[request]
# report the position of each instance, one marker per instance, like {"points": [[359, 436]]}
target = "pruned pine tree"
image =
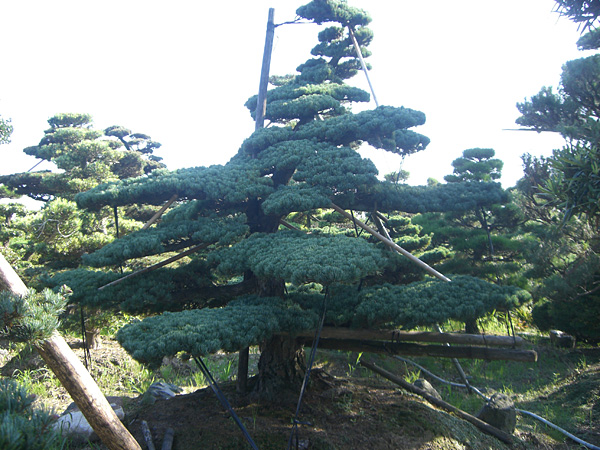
{"points": [[59, 233], [252, 282]]}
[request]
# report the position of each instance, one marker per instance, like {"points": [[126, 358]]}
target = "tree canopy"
{"points": [[248, 278]]}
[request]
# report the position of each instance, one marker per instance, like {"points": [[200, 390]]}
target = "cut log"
{"points": [[438, 351], [416, 336], [504, 437], [75, 378]]}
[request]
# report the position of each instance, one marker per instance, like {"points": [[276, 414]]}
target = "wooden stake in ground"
{"points": [[75, 378], [261, 109]]}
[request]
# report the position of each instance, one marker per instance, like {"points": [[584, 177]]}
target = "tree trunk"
{"points": [[281, 367], [471, 326]]}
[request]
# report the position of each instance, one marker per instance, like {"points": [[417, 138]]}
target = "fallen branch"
{"points": [[504, 437]]}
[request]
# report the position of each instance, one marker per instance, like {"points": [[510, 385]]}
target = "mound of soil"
{"points": [[336, 414]]}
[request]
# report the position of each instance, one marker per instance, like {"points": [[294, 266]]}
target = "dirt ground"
{"points": [[337, 413]]}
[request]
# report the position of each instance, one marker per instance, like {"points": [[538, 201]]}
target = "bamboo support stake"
{"points": [[160, 212], [189, 251], [392, 244], [414, 336], [362, 63], [435, 351], [75, 378], [504, 437]]}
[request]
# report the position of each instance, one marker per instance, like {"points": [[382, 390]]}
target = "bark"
{"points": [[281, 367]]}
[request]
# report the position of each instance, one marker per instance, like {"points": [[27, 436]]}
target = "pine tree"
{"points": [[250, 281]]}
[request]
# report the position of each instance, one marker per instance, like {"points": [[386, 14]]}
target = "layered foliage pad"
{"points": [[304, 160], [251, 320]]}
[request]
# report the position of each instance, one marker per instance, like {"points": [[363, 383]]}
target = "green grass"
{"points": [[562, 386]]}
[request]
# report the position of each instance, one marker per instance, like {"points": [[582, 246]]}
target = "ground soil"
{"points": [[338, 412]]}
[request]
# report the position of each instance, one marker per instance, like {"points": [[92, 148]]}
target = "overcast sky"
{"points": [[181, 72]]}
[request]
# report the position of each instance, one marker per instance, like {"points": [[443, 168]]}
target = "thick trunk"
{"points": [[281, 367]]}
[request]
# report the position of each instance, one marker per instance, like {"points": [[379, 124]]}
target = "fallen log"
{"points": [[438, 351], [504, 437], [415, 336]]}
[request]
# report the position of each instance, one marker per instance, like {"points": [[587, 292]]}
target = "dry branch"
{"points": [[391, 244], [158, 265], [160, 212]]}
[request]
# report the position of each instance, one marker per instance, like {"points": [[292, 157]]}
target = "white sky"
{"points": [[181, 72]]}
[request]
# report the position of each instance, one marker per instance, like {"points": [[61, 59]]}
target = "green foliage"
{"points": [[301, 258], [476, 164], [321, 11], [167, 236], [244, 322], [422, 303], [573, 184], [6, 130], [32, 318], [21, 426]]}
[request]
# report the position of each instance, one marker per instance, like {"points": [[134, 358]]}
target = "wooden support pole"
{"points": [[261, 104], [160, 212], [486, 427], [75, 378], [391, 244], [362, 63], [415, 336], [259, 117], [437, 351], [189, 251]]}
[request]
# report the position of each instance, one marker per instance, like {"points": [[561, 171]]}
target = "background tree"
{"points": [[6, 130], [246, 280], [563, 191], [483, 240]]}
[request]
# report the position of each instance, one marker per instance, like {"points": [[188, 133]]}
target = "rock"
{"points": [[73, 424], [499, 412], [427, 387], [561, 339], [160, 390]]}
